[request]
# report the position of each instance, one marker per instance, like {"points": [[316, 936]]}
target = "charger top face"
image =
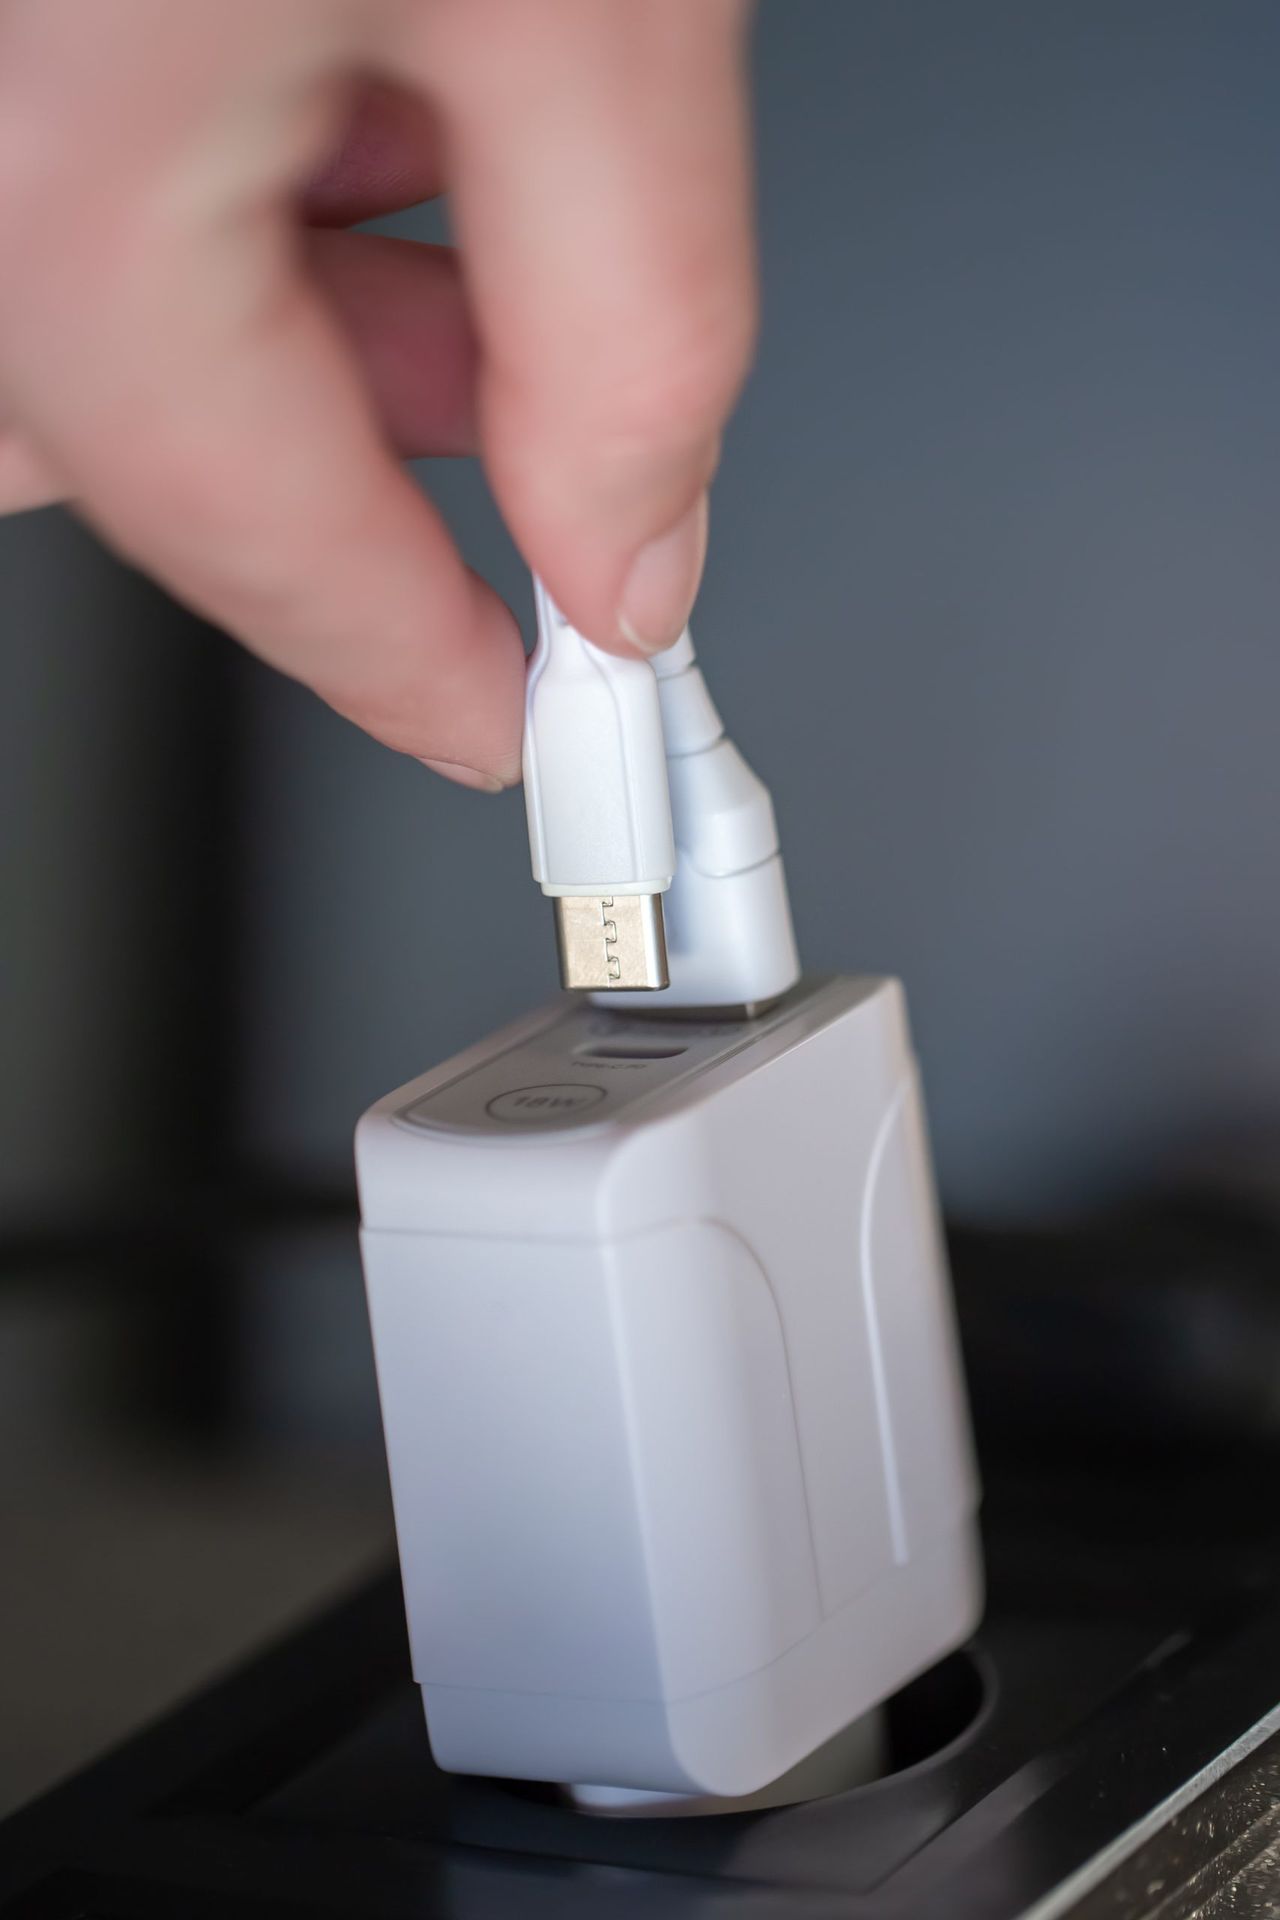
{"points": [[481, 1138], [674, 1413], [587, 1067]]}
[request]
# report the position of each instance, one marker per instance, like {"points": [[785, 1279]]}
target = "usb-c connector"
{"points": [[615, 941], [595, 778]]}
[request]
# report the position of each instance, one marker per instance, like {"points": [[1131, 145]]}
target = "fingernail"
{"points": [[466, 776], [660, 588]]}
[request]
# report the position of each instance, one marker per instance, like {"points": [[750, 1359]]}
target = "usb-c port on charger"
{"points": [[629, 1050]]}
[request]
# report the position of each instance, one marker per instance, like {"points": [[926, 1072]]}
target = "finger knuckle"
{"points": [[35, 166], [685, 377]]}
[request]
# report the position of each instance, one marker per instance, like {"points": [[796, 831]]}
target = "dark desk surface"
{"points": [[1108, 1748], [1133, 1641]]}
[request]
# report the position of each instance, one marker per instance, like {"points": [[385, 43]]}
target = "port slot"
{"points": [[628, 1050]]}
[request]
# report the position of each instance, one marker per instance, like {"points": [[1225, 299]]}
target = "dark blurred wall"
{"points": [[118, 868], [991, 600]]}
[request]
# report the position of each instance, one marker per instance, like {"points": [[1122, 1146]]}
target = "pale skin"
{"points": [[224, 382]]}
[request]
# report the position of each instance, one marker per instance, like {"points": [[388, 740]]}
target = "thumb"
{"points": [[600, 185]]}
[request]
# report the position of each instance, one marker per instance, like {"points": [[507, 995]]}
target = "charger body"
{"points": [[672, 1395]]}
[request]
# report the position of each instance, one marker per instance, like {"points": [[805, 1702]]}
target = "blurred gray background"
{"points": [[991, 602]]}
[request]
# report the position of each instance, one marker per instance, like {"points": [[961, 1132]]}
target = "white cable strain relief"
{"points": [[595, 768], [730, 940]]}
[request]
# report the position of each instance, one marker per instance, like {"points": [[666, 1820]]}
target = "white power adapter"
{"points": [[672, 1395], [673, 1399]]}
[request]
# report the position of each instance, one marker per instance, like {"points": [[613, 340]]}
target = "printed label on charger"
{"points": [[543, 1106]]}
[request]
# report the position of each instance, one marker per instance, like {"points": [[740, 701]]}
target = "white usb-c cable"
{"points": [[637, 800], [595, 783]]}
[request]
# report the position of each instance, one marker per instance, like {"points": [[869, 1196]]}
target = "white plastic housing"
{"points": [[730, 941], [672, 1394], [595, 774]]}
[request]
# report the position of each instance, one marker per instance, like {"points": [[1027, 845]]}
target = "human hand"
{"points": [[220, 379]]}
